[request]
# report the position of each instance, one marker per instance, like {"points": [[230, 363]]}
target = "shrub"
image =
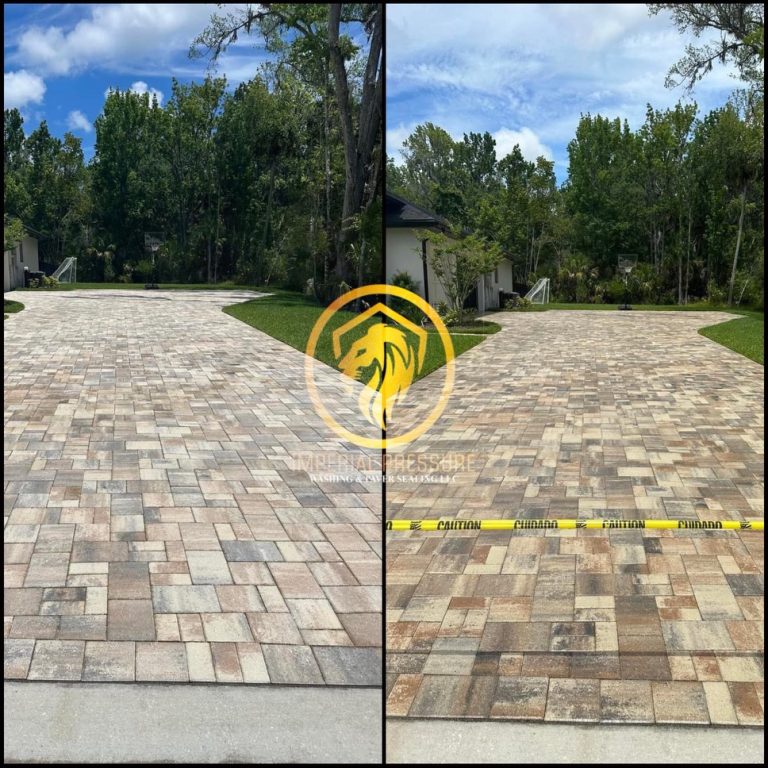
{"points": [[44, 282], [109, 270], [614, 291], [583, 292], [144, 270], [127, 276], [599, 293], [715, 296], [329, 291], [520, 304], [402, 306], [456, 317], [246, 273]]}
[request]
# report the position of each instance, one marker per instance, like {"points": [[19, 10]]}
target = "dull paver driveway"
{"points": [[161, 518], [589, 414]]}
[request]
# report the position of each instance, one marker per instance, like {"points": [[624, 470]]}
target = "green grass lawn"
{"points": [[9, 307], [475, 327], [290, 317], [745, 335]]}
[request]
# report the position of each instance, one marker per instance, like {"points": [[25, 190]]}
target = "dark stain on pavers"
{"points": [[585, 625]]}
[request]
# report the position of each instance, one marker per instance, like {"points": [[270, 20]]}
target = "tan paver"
{"points": [[163, 520], [582, 414]]}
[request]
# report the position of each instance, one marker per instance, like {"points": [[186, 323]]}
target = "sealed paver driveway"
{"points": [[589, 414], [161, 518]]}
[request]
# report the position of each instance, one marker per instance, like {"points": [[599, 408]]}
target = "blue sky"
{"points": [[59, 60], [525, 73]]}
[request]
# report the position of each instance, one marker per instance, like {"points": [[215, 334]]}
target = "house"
{"points": [[406, 252], [25, 254]]}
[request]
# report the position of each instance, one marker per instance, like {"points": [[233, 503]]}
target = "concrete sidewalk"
{"points": [[454, 741], [110, 723]]}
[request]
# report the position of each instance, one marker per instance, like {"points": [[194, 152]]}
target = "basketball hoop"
{"points": [[152, 242], [627, 262]]}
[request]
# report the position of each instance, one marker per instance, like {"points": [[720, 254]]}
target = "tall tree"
{"points": [[357, 99], [130, 172], [740, 28]]}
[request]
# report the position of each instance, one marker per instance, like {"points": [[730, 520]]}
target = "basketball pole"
{"points": [[626, 305]]}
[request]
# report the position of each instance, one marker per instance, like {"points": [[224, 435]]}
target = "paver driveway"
{"points": [[590, 414], [159, 521]]}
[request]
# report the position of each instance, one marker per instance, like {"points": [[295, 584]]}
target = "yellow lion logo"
{"points": [[394, 366], [388, 352]]}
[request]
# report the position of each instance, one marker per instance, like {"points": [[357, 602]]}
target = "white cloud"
{"points": [[21, 88], [395, 138], [116, 35], [531, 146], [141, 87], [77, 121], [526, 72]]}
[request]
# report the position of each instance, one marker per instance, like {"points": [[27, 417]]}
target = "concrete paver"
{"points": [[161, 519], [591, 415]]}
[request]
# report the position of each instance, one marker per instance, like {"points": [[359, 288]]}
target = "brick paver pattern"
{"points": [[159, 523], [601, 414]]}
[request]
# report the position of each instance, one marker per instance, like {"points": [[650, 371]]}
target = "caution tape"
{"points": [[527, 525]]}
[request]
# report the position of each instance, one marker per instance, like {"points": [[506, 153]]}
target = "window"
{"points": [[496, 275], [21, 251]]}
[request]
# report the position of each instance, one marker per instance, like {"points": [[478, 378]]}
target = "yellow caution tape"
{"points": [[443, 524]]}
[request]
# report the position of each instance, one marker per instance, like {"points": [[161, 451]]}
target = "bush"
{"points": [[329, 291], [456, 317], [144, 271], [583, 292], [402, 306], [599, 293], [109, 271], [127, 276], [246, 273], [715, 296], [45, 282], [614, 291], [520, 304]]}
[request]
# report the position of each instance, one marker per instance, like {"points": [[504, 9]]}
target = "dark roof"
{"points": [[401, 213], [30, 230], [36, 233]]}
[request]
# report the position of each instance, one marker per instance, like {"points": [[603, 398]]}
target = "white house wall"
{"points": [[403, 254], [7, 256], [14, 262]]}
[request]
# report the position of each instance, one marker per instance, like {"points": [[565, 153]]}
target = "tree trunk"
{"points": [[362, 262], [358, 147], [688, 256], [679, 258], [738, 244], [327, 151], [268, 215]]}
